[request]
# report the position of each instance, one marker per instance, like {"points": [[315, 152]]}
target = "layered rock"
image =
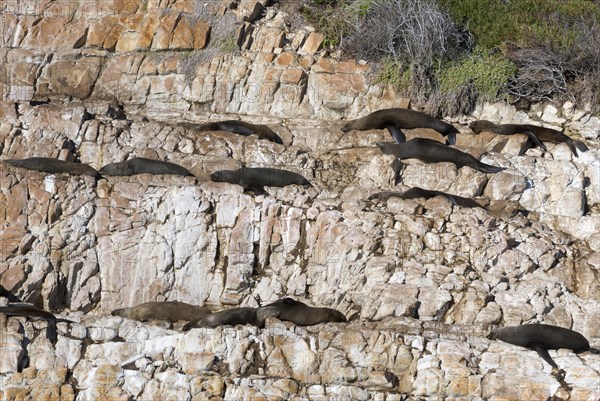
{"points": [[421, 281]]}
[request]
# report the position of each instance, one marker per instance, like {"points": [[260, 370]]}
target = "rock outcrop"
{"points": [[420, 281]]}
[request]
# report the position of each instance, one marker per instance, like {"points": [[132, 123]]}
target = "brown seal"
{"points": [[417, 192], [54, 166], [255, 179], [541, 338], [536, 134], [396, 119], [171, 311], [32, 311], [141, 165], [303, 315], [242, 128], [430, 151], [233, 317]]}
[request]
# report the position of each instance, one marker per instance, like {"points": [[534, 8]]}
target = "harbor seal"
{"points": [[171, 311], [255, 179], [430, 151], [242, 128], [28, 310], [234, 316], [141, 165], [303, 315], [417, 192], [541, 338], [396, 119], [54, 166], [536, 134]]}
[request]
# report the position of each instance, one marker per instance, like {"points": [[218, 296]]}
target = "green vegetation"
{"points": [[489, 71], [228, 45], [519, 49], [331, 19], [392, 72], [526, 23]]}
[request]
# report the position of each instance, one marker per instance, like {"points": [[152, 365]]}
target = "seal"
{"points": [[28, 310], [303, 315], [541, 338], [396, 119], [54, 166], [171, 311], [242, 128], [430, 151], [255, 179], [141, 165], [536, 134], [417, 192], [234, 316]]}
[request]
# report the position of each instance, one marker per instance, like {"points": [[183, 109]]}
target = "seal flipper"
{"points": [[451, 138], [534, 139], [581, 146], [258, 190], [51, 331], [595, 351], [572, 147], [543, 352], [451, 199], [487, 168], [396, 133]]}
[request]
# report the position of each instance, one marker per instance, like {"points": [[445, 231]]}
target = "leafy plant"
{"points": [[489, 72]]}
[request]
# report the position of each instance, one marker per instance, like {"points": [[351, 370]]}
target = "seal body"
{"points": [[417, 192], [171, 311], [233, 317], [304, 315], [32, 311], [430, 151], [54, 166], [541, 338], [256, 179], [243, 128], [396, 119], [536, 134], [140, 165]]}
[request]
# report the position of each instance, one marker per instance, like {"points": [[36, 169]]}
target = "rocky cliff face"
{"points": [[420, 280]]}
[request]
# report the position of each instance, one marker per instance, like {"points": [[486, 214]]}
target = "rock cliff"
{"points": [[421, 281]]}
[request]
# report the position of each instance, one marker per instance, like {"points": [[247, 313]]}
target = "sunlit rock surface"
{"points": [[420, 280]]}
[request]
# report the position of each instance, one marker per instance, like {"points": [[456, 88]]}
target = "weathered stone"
{"points": [[312, 44]]}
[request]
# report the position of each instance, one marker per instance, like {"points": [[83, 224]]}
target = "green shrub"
{"points": [[523, 22], [395, 73], [489, 71], [330, 18]]}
